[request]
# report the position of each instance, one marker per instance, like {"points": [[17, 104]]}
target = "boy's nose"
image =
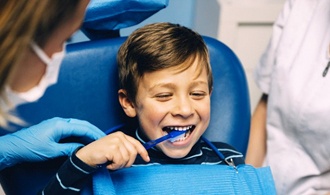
{"points": [[183, 108]]}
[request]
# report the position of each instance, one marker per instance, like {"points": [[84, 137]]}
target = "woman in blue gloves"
{"points": [[32, 38]]}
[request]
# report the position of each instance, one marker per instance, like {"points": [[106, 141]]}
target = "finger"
{"points": [[139, 148], [117, 152], [96, 131], [131, 150], [77, 128], [118, 161], [129, 143]]}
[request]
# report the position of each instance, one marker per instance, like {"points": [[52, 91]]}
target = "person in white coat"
{"points": [[290, 128]]}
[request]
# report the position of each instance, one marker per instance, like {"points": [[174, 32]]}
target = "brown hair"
{"points": [[158, 46]]}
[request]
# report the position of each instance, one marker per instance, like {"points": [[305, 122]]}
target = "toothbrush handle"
{"points": [[152, 143]]}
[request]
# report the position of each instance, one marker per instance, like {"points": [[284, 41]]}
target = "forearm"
{"points": [[71, 177], [257, 142]]}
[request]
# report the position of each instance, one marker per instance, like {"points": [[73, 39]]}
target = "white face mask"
{"points": [[49, 78]]}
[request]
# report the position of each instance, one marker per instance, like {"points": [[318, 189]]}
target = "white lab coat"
{"points": [[298, 113]]}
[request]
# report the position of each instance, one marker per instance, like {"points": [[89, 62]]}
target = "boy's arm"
{"points": [[70, 178], [257, 142], [115, 151]]}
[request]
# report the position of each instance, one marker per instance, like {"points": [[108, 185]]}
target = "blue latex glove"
{"points": [[41, 142]]}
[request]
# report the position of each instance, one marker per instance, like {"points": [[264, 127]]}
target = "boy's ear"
{"points": [[126, 103]]}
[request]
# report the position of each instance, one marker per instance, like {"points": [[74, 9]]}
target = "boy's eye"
{"points": [[198, 95], [163, 96]]}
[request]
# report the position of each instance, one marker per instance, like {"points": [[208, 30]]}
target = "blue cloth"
{"points": [[185, 179], [103, 16]]}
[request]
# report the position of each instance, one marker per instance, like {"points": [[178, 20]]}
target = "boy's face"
{"points": [[171, 98]]}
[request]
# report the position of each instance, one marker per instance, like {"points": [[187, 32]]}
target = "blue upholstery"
{"points": [[105, 18], [87, 89]]}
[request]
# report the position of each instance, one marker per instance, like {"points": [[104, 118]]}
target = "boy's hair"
{"points": [[158, 46]]}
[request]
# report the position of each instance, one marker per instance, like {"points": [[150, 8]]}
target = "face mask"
{"points": [[49, 78]]}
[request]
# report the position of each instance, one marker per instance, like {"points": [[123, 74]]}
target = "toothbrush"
{"points": [[153, 143]]}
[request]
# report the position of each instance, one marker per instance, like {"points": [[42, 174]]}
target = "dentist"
{"points": [[32, 38]]}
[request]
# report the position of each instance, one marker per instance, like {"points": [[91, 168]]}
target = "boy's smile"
{"points": [[182, 137], [174, 99]]}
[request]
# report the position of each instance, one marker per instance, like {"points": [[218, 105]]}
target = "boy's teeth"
{"points": [[180, 128]]}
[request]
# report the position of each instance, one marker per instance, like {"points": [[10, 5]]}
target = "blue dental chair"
{"points": [[87, 90]]}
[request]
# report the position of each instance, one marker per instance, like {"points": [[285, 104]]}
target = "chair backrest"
{"points": [[87, 90]]}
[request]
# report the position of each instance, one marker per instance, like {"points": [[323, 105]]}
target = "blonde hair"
{"points": [[18, 23], [22, 21]]}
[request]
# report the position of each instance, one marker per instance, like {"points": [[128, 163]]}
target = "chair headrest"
{"points": [[105, 16]]}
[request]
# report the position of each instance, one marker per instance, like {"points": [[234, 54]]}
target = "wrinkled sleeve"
{"points": [[70, 179]]}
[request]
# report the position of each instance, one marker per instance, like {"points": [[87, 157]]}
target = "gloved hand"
{"points": [[41, 142]]}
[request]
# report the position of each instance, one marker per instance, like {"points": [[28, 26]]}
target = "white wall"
{"points": [[244, 25]]}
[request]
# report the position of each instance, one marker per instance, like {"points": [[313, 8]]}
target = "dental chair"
{"points": [[87, 90]]}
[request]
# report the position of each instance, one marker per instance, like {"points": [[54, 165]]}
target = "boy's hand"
{"points": [[117, 148]]}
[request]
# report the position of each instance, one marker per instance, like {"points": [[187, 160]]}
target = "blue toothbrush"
{"points": [[172, 134]]}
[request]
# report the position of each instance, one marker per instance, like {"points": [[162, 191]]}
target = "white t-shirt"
{"points": [[298, 113]]}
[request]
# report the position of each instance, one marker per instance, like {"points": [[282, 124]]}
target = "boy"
{"points": [[165, 82]]}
